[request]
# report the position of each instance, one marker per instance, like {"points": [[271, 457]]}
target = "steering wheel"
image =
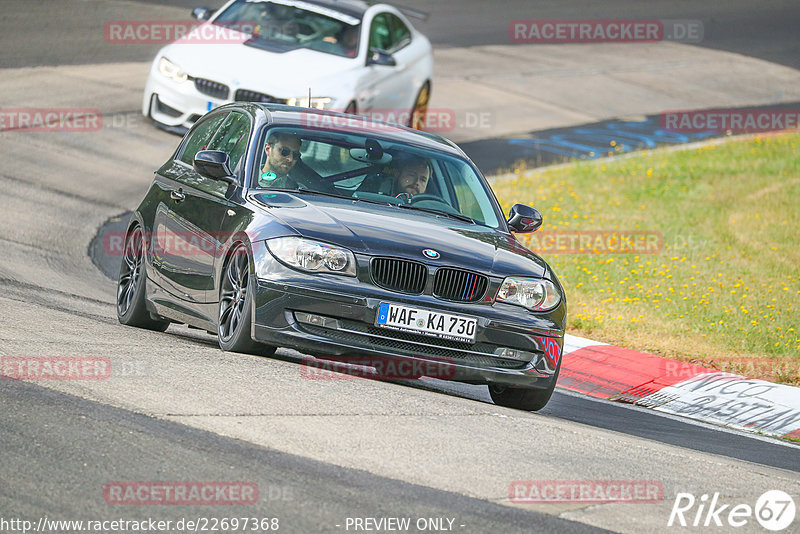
{"points": [[440, 204], [290, 28], [426, 196], [307, 32]]}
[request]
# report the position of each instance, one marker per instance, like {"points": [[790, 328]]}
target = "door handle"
{"points": [[177, 195]]}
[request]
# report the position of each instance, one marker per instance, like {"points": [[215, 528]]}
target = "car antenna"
{"points": [[309, 96]]}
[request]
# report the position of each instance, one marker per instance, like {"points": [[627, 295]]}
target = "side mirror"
{"points": [[214, 164], [202, 13], [524, 219], [376, 57]]}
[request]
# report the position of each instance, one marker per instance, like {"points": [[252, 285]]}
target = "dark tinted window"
{"points": [[388, 33], [200, 136], [401, 35], [338, 162], [282, 27], [380, 33], [232, 137]]}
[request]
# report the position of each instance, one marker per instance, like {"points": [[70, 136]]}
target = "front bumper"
{"points": [[344, 311], [175, 104]]}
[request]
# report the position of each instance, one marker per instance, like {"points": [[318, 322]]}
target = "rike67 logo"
{"points": [[774, 510]]}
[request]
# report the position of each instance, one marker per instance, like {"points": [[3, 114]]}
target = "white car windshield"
{"points": [[372, 169], [284, 25]]}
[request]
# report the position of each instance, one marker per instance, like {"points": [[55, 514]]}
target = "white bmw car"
{"points": [[348, 55]]}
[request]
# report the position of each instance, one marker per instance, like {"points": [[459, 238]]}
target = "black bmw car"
{"points": [[275, 226]]}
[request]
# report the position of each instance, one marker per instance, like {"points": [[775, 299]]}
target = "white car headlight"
{"points": [[318, 102], [171, 70], [313, 256], [536, 294]]}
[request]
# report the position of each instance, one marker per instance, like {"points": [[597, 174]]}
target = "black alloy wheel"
{"points": [[131, 287], [235, 306]]}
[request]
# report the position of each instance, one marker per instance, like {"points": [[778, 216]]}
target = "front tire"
{"points": [[527, 399], [419, 112], [236, 306], [131, 285]]}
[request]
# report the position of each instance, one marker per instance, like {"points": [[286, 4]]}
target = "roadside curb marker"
{"points": [[623, 375]]}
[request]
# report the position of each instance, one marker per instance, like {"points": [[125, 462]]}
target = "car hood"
{"points": [[379, 230], [279, 74]]}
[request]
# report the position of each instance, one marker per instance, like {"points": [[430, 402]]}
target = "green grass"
{"points": [[724, 289]]}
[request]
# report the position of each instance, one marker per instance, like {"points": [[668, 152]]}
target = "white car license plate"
{"points": [[427, 322]]}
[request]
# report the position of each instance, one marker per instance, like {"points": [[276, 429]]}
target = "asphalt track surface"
{"points": [[61, 474], [766, 30], [61, 443]]}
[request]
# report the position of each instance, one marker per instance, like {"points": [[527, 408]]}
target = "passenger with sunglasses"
{"points": [[283, 153], [283, 169]]}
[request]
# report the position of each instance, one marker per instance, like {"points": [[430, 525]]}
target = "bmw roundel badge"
{"points": [[430, 253]]}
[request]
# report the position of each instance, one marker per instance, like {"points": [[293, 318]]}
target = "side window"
{"points": [[232, 137], [401, 35], [380, 35], [465, 185], [199, 138]]}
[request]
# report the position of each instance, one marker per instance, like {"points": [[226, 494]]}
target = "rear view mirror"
{"points": [[214, 164], [524, 219]]}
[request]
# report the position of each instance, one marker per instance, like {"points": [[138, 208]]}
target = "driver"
{"points": [[349, 40], [345, 41], [411, 174]]}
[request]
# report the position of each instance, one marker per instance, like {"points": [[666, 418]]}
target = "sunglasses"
{"points": [[285, 151]]}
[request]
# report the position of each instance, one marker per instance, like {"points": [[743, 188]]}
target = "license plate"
{"points": [[427, 322]]}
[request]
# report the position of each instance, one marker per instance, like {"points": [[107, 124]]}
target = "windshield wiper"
{"points": [[458, 216], [306, 190]]}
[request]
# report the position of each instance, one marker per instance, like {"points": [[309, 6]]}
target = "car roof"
{"points": [[354, 8], [292, 116]]}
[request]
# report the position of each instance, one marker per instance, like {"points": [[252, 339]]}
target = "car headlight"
{"points": [[171, 70], [312, 256], [318, 102], [536, 294]]}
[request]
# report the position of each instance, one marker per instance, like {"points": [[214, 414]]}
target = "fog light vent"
{"points": [[514, 354], [317, 320]]}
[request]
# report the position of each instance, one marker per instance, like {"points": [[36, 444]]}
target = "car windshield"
{"points": [[283, 25], [363, 166]]}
